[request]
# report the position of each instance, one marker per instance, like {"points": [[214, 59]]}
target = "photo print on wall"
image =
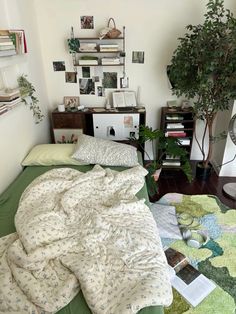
{"points": [[110, 79], [59, 66], [87, 86], [87, 22], [100, 91], [86, 72], [71, 77], [138, 57]]}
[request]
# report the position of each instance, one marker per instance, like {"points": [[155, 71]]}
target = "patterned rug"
{"points": [[216, 259]]}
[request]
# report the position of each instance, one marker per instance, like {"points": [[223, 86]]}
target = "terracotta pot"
{"points": [[203, 173]]}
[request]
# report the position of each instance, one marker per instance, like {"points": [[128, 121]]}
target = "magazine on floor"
{"points": [[186, 279]]}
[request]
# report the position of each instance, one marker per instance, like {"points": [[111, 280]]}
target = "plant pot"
{"points": [[202, 172]]}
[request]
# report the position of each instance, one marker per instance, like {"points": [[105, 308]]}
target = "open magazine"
{"points": [[186, 279]]}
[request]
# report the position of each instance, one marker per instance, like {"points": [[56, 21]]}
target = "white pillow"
{"points": [[95, 150]]}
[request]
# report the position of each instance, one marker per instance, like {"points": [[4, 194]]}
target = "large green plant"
{"points": [[203, 67], [166, 146]]}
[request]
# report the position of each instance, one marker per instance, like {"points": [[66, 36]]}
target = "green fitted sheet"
{"points": [[8, 206]]}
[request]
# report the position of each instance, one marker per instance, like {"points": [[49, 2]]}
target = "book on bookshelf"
{"points": [[184, 141], [19, 40], [171, 163], [174, 117], [6, 53], [9, 95], [88, 62], [174, 126], [186, 279], [175, 134]]}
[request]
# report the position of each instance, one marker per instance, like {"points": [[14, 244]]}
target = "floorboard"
{"points": [[175, 182]]}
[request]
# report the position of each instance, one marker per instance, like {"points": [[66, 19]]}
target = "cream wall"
{"points": [[151, 26], [18, 132]]}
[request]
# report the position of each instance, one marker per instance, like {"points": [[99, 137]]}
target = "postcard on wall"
{"points": [[87, 22], [59, 66]]}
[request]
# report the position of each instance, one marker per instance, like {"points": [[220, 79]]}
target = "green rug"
{"points": [[216, 259]]}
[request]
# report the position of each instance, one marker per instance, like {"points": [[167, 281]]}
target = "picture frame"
{"points": [[71, 101], [66, 136]]}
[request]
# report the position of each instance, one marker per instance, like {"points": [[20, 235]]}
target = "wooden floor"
{"points": [[176, 182]]}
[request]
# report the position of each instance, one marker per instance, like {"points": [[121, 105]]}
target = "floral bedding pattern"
{"points": [[83, 231]]}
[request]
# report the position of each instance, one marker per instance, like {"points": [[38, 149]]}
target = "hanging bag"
{"points": [[113, 31]]}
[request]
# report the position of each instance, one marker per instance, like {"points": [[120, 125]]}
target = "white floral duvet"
{"points": [[83, 231]]}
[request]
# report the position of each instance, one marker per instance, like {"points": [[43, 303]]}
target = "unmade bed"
{"points": [[9, 201]]}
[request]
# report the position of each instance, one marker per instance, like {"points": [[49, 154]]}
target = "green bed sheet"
{"points": [[8, 206]]}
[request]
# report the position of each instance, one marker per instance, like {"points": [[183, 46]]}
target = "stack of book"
{"points": [[88, 60], [175, 126], [186, 279], [7, 47], [110, 61], [175, 134], [88, 47], [174, 117], [108, 47], [19, 40], [9, 100]]}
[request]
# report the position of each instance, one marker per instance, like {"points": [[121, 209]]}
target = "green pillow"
{"points": [[50, 155]]}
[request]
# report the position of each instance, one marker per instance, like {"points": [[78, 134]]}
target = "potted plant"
{"points": [[27, 91], [166, 146], [203, 68]]}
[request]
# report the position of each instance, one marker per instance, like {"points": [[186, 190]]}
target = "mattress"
{"points": [[8, 206]]}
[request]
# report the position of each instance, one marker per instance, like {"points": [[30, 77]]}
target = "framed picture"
{"points": [[71, 101], [66, 136]]}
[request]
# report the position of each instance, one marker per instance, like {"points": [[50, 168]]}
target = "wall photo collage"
{"points": [[94, 80]]}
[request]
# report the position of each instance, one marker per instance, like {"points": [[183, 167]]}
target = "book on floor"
{"points": [[186, 279]]}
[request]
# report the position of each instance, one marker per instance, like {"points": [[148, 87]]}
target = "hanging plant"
{"points": [[27, 91]]}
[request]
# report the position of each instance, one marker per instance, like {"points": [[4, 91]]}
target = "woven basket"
{"points": [[113, 32]]}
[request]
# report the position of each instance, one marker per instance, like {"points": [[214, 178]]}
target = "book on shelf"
{"points": [[19, 40], [175, 134], [184, 141], [6, 44], [9, 95], [174, 126], [107, 60], [11, 102], [108, 48], [88, 47], [172, 157], [186, 279], [88, 62], [6, 53], [174, 117], [173, 163]]}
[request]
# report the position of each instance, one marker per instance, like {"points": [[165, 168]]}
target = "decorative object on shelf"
{"points": [[186, 105], [74, 45], [71, 101], [61, 108], [203, 68], [27, 91], [109, 31], [167, 146]]}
